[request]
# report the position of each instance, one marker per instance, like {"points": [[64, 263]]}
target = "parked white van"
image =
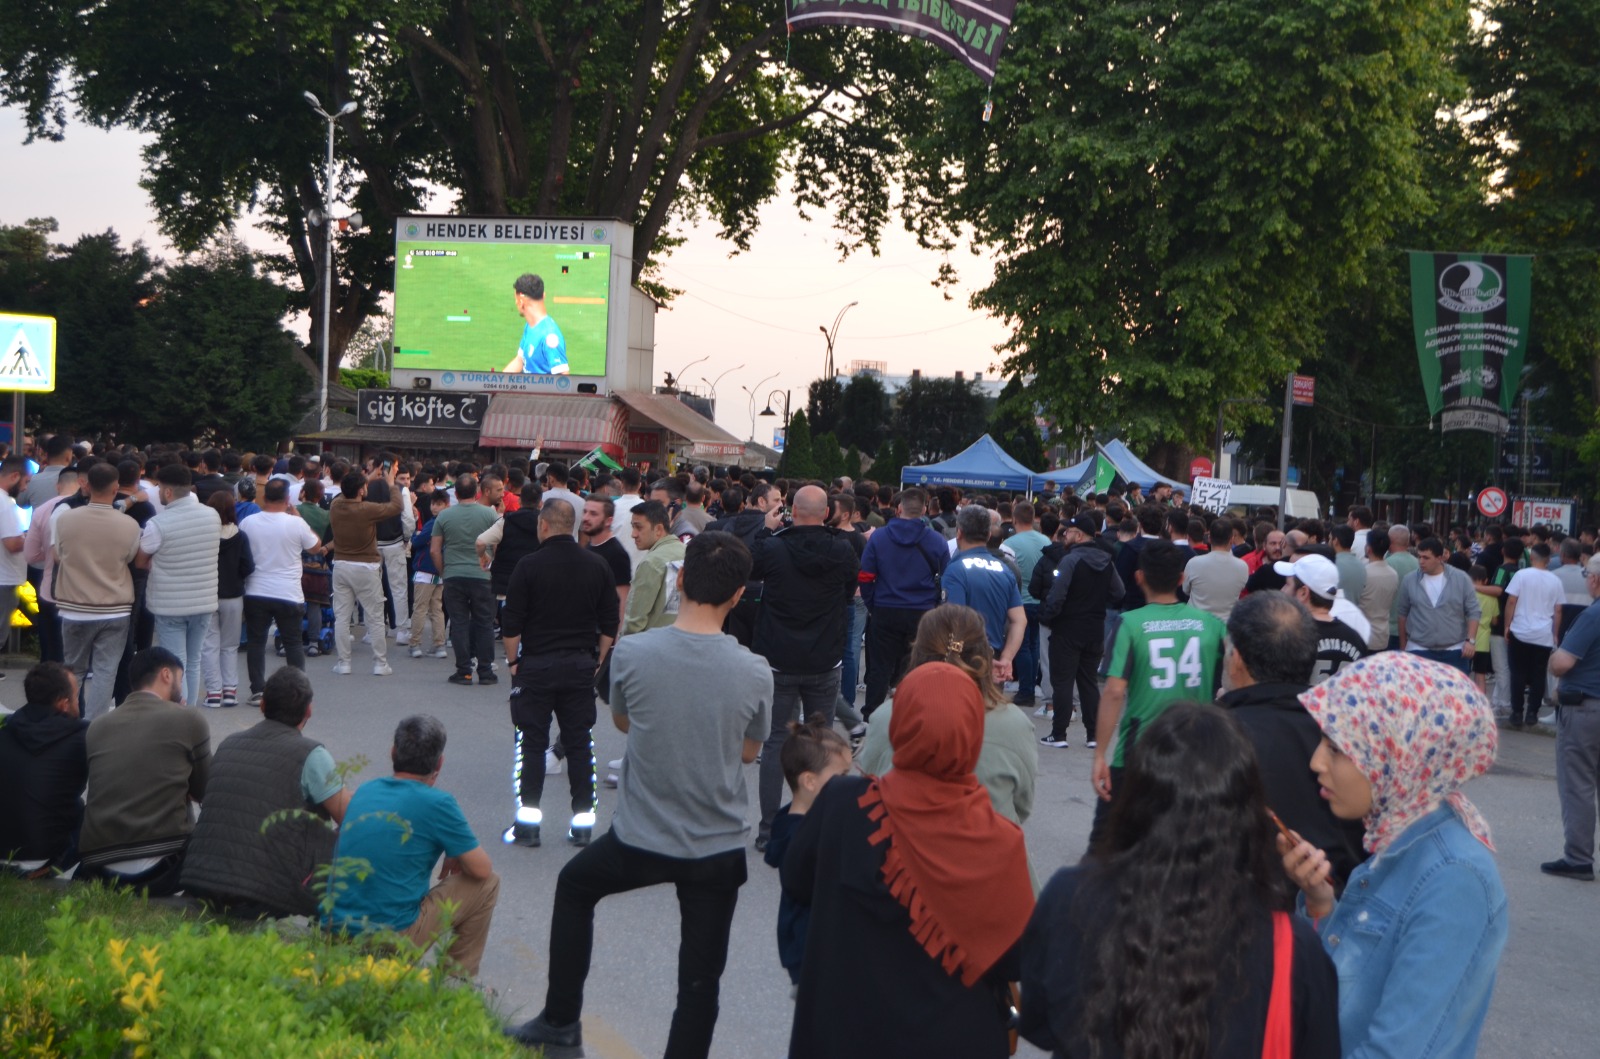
{"points": [[1248, 499]]}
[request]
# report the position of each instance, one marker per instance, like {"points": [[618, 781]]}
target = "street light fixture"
{"points": [[712, 383], [767, 411], [325, 218], [830, 334], [673, 381], [752, 392]]}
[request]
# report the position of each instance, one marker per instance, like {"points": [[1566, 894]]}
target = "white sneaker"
{"points": [[382, 669], [415, 652], [1043, 710], [366, 638], [402, 636], [443, 652], [342, 668], [614, 764], [553, 766]]}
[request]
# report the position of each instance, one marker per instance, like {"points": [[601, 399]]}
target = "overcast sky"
{"points": [[760, 309]]}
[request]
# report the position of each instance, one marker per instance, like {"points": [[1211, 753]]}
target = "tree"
{"points": [[827, 456], [893, 458], [1176, 190], [937, 418], [1015, 428], [852, 464], [797, 461], [651, 112], [823, 400], [864, 412]]}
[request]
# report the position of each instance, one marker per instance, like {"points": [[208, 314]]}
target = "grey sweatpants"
{"points": [[1577, 761]]}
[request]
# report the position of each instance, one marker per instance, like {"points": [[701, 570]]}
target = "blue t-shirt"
{"points": [[978, 580], [1579, 642], [543, 348], [401, 871]]}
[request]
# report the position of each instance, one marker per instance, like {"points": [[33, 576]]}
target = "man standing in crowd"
{"points": [[1378, 596], [274, 591], [1271, 651], [1404, 564], [1165, 652], [393, 534], [400, 825], [1077, 594], [808, 574], [622, 518], [14, 479], [180, 547], [148, 759], [653, 599], [1534, 599], [1352, 565], [44, 765], [93, 586], [1027, 544], [559, 622], [900, 573], [1313, 581], [555, 488], [235, 858], [681, 804], [1215, 579], [468, 591], [58, 455], [976, 578], [597, 515], [1437, 610], [357, 568], [1577, 663]]}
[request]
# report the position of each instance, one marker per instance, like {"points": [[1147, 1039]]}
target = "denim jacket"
{"points": [[1417, 938]]}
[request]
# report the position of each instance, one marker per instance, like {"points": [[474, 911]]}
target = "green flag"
{"points": [[1101, 476], [598, 456], [1470, 315]]}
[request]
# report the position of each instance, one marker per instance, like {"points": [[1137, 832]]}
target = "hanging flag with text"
{"points": [[974, 31], [1470, 314]]}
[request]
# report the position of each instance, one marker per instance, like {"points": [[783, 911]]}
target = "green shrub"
{"points": [[206, 989]]}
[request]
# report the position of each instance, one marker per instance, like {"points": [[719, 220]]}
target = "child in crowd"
{"points": [[427, 590], [812, 755], [1482, 664]]}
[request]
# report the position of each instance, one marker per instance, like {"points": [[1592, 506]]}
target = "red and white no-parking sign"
{"points": [[1491, 502]]}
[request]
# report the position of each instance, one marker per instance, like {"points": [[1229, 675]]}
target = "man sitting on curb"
{"points": [[400, 825], [148, 759], [43, 767], [271, 768]]}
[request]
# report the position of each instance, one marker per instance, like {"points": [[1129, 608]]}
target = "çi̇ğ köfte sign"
{"points": [[420, 408]]}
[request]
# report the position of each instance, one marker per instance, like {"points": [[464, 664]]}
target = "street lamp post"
{"points": [[673, 381], [830, 334], [767, 411], [327, 247], [752, 393], [712, 383]]}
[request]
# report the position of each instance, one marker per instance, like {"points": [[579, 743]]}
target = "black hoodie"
{"points": [[44, 766], [808, 576], [1082, 586]]}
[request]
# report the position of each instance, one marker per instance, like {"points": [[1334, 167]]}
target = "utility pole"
{"points": [[1283, 450]]}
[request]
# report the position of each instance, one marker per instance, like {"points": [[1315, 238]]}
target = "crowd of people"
{"points": [[1281, 721]]}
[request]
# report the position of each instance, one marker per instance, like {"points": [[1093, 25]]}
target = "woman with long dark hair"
{"points": [[1170, 940]]}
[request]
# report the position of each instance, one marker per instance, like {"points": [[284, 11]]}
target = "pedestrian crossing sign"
{"points": [[27, 353]]}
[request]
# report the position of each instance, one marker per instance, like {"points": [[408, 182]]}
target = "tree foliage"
{"points": [[656, 113], [863, 412], [1178, 191], [823, 400], [797, 461], [827, 456], [1015, 427], [892, 458], [193, 352], [937, 418]]}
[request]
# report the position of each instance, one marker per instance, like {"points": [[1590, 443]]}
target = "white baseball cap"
{"points": [[1315, 572]]}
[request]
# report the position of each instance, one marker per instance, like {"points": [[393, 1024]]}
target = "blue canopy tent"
{"points": [[1066, 476], [981, 465], [1136, 470]]}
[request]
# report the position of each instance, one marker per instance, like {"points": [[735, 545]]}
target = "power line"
{"points": [[808, 334]]}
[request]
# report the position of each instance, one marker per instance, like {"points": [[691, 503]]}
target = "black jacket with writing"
{"points": [[808, 576]]}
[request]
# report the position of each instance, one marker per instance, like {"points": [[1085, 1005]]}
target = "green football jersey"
{"points": [[1167, 652]]}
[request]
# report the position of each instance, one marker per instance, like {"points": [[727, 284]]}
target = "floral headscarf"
{"points": [[1417, 729]]}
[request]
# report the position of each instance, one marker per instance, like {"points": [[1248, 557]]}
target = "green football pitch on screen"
{"points": [[455, 310]]}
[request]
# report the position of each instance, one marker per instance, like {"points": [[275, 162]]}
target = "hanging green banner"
{"points": [[1470, 314]]}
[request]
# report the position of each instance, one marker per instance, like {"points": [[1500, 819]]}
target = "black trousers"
{"points": [[708, 892], [890, 633], [1074, 666], [1528, 662], [559, 686], [259, 614], [1102, 808], [469, 606]]}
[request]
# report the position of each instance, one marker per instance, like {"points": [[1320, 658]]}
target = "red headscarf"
{"points": [[959, 868]]}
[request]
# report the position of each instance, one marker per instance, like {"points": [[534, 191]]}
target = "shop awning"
{"points": [[706, 439], [517, 420]]}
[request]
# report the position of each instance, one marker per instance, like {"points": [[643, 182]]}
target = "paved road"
{"points": [[1543, 1005]]}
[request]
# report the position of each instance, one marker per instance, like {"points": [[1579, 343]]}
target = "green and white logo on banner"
{"points": [[27, 353], [1470, 313]]}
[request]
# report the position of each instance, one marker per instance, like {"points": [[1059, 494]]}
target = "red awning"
{"points": [[565, 423]]}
